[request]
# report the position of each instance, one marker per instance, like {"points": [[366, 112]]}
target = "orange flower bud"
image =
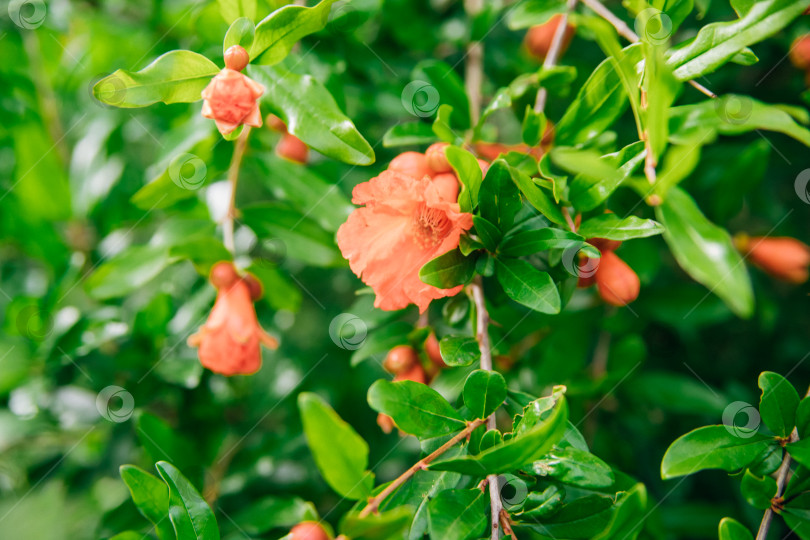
{"points": [[587, 272], [229, 341], [416, 373], [236, 58], [540, 37], [400, 359], [231, 100], [413, 164], [436, 158], [616, 282], [800, 52], [484, 166], [308, 530], [603, 244], [783, 258], [276, 124], [386, 423], [292, 148], [433, 351], [447, 186], [254, 286]]}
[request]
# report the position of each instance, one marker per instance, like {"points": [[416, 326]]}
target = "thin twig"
{"points": [[625, 31], [482, 336], [474, 64], [554, 53], [374, 502], [233, 179], [781, 483]]}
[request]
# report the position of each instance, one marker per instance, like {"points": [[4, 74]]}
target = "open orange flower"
{"points": [[231, 100], [229, 342], [405, 223]]}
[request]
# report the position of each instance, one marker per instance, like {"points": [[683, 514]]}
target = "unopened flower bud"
{"points": [[400, 359], [236, 58], [308, 530], [783, 258], [436, 158], [616, 282], [413, 164], [292, 148]]}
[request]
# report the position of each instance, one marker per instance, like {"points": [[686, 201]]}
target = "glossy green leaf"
{"points": [[392, 524], [190, 515], [499, 199], [151, 496], [469, 174], [532, 12], [527, 285], [589, 190], [484, 391], [175, 77], [613, 227], [533, 241], [800, 451], [415, 407], [436, 78], [340, 453], [489, 234], [278, 32], [127, 271], [409, 133], [538, 197], [705, 251], [458, 514], [582, 518], [722, 447], [233, 9], [274, 512], [241, 32], [459, 350], [717, 43], [572, 466], [803, 418], [778, 403], [758, 491], [448, 270], [311, 113], [730, 529], [534, 441], [625, 522]]}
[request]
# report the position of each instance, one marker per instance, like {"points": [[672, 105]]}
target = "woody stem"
{"points": [[233, 178], [374, 502]]}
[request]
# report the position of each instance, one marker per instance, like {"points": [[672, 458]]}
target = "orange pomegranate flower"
{"points": [[406, 222], [231, 100], [783, 258], [229, 342]]}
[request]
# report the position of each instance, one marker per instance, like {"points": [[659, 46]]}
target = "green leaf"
{"points": [[778, 403], [717, 43], [241, 32], [731, 529], [190, 515], [175, 77], [487, 232], [469, 174], [448, 270], [151, 496], [537, 437], [127, 271], [378, 344], [273, 513], [458, 514], [392, 524], [613, 227], [800, 451], [499, 200], [625, 523], [722, 447], [278, 32], [582, 518], [537, 197], [40, 181], [459, 351], [340, 453], [311, 113], [570, 465], [415, 407], [409, 133], [536, 240], [277, 290], [803, 418], [531, 13], [534, 126], [705, 251], [232, 10], [484, 391], [527, 285], [447, 85], [796, 514], [758, 491], [589, 190]]}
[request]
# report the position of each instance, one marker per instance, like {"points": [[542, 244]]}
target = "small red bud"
{"points": [[540, 37], [400, 359], [436, 158], [616, 282], [308, 530], [254, 287], [800, 52], [413, 164], [236, 58], [292, 148], [783, 258], [276, 124], [386, 423], [603, 244], [223, 275], [416, 373], [433, 351]]}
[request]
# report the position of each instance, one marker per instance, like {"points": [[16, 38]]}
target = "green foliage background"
{"points": [[82, 309]]}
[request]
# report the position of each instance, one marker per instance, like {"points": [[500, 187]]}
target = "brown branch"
{"points": [[374, 502], [625, 31], [554, 53], [233, 179]]}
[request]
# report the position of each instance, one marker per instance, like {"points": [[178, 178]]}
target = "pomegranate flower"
{"points": [[406, 222], [231, 100], [229, 341]]}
